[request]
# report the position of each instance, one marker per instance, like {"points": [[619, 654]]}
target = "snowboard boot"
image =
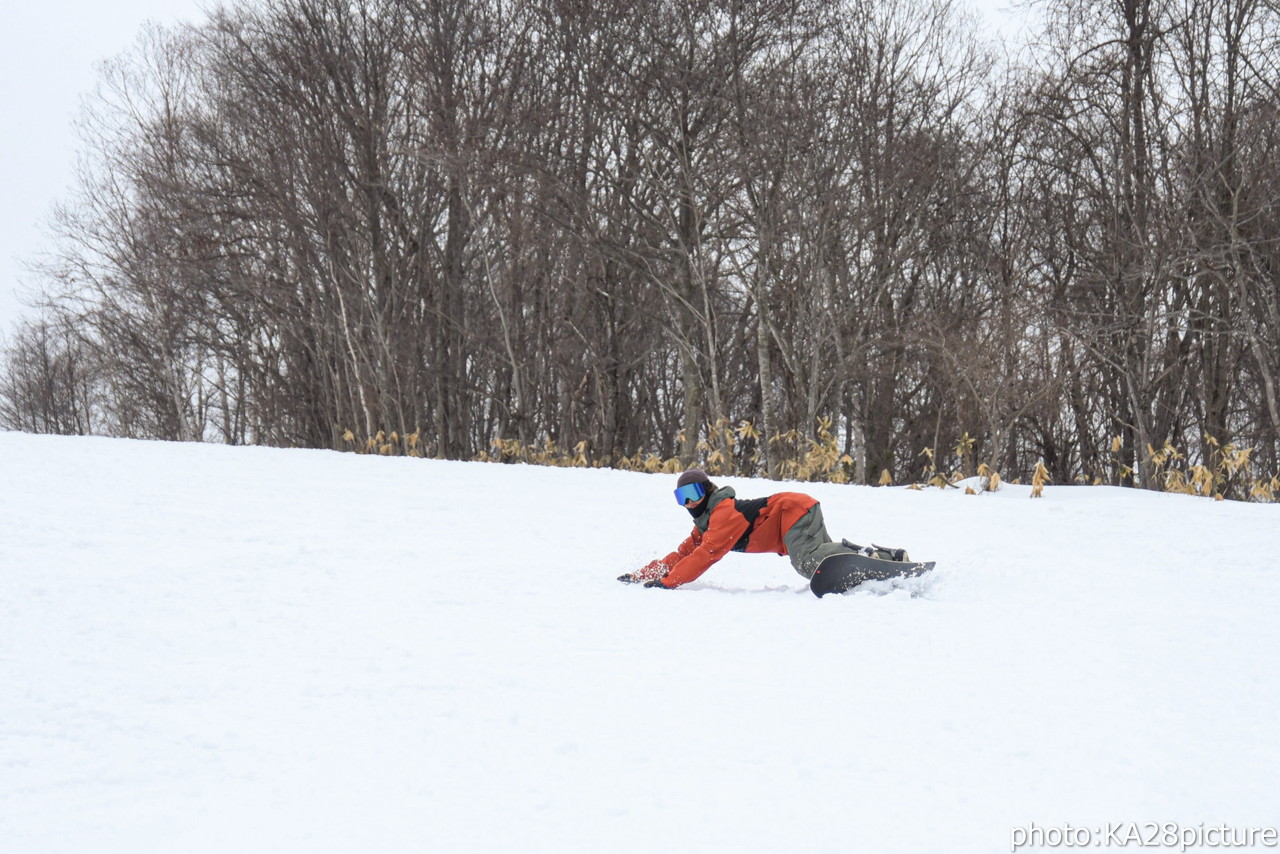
{"points": [[879, 552], [899, 555]]}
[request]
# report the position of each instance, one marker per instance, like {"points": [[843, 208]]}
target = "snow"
{"points": [[211, 649]]}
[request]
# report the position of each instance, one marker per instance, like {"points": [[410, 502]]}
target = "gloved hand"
{"points": [[657, 582], [653, 569]]}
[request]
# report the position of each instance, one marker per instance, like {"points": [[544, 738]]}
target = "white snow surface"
{"points": [[215, 649]]}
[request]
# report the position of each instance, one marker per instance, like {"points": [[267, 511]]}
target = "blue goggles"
{"points": [[690, 492]]}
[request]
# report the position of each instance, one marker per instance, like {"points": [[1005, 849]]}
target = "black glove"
{"points": [[657, 582], [627, 578]]}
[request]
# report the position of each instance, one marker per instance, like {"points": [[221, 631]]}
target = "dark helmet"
{"points": [[693, 476]]}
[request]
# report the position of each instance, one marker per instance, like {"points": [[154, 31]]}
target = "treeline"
{"points": [[663, 227]]}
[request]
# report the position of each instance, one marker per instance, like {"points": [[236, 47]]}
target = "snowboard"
{"points": [[843, 572]]}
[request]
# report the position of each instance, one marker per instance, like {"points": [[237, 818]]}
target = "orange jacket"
{"points": [[729, 524]]}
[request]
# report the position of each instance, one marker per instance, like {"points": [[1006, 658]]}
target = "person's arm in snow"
{"points": [[657, 569], [726, 528]]}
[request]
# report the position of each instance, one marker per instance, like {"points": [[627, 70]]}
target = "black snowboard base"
{"points": [[843, 572]]}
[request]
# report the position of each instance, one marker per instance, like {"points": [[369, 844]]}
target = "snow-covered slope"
{"points": [[213, 649]]}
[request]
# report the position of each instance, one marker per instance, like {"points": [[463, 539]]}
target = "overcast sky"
{"points": [[48, 49]]}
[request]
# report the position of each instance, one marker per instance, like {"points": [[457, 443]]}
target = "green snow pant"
{"points": [[808, 542]]}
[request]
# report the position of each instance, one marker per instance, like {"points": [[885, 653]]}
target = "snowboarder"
{"points": [[788, 523]]}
